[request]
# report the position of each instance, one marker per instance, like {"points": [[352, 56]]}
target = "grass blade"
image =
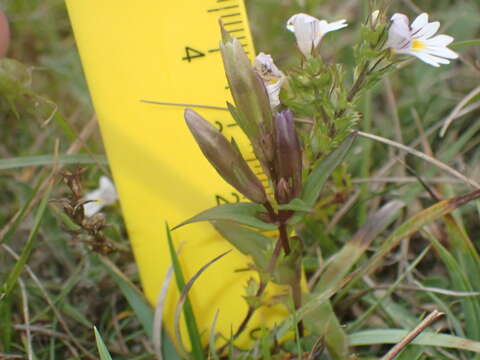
{"points": [[41, 160], [102, 349], [190, 321], [27, 249], [346, 258], [393, 336], [471, 305], [20, 214], [140, 306], [409, 227]]}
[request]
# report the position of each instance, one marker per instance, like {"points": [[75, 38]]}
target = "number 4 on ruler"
{"points": [[191, 53]]}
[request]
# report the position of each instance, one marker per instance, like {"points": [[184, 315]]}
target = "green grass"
{"points": [[67, 289]]}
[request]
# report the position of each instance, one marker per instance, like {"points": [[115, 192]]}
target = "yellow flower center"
{"points": [[418, 45]]}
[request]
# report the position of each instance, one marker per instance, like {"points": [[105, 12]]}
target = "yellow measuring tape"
{"points": [[167, 51]]}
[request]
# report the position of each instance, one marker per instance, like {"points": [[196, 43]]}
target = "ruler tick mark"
{"points": [[223, 8], [233, 22], [230, 15], [235, 30]]}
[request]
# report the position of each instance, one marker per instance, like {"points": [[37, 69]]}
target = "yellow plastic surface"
{"points": [[136, 50]]}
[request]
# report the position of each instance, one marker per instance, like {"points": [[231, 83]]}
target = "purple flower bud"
{"points": [[225, 158], [288, 157], [4, 34]]}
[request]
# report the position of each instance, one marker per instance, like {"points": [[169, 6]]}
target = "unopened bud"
{"points": [[288, 154], [374, 17], [249, 93], [225, 158], [283, 192], [4, 34]]}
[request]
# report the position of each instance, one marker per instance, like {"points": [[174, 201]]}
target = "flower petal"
{"points": [[441, 51], [326, 27], [308, 37], [431, 59], [419, 22], [440, 40], [297, 18], [91, 208], [399, 32], [271, 76], [427, 31], [108, 192]]}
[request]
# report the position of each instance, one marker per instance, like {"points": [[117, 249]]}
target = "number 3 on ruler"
{"points": [[191, 53]]}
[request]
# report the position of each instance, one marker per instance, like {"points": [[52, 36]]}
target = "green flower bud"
{"points": [[254, 114], [225, 158]]}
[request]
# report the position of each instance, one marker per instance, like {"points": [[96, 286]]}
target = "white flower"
{"points": [[309, 31], [417, 39], [374, 17], [104, 195], [272, 77]]}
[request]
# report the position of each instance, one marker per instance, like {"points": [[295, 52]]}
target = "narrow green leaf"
{"points": [[248, 242], [242, 213], [41, 160], [458, 44], [409, 227], [6, 324], [296, 205], [184, 297], [471, 305], [355, 325], [28, 248], [20, 214], [323, 169], [140, 306], [102, 349], [211, 344], [393, 336], [346, 258], [191, 323]]}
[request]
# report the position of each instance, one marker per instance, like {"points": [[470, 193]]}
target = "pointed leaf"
{"points": [[323, 169], [242, 213], [296, 205], [191, 322], [248, 242], [102, 349]]}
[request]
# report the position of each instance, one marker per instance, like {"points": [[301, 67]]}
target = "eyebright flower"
{"points": [[103, 196], [416, 39], [309, 31], [374, 17], [272, 77]]}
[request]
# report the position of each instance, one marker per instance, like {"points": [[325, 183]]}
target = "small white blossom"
{"points": [[272, 77], [309, 31], [416, 39], [374, 17], [103, 196]]}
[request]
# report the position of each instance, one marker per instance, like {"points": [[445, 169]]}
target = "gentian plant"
{"points": [[301, 123]]}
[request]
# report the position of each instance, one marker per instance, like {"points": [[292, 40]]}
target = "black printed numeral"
{"points": [[191, 53]]}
